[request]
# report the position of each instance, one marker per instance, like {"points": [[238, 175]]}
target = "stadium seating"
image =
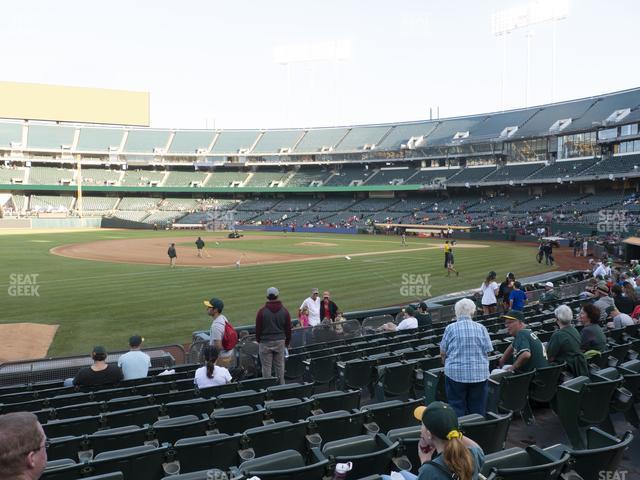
{"points": [[347, 175], [190, 141], [222, 178], [50, 176], [184, 179], [512, 173], [232, 142]]}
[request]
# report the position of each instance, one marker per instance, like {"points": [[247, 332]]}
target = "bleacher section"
{"points": [[564, 169], [233, 142], [265, 178], [400, 134], [99, 139], [21, 202], [391, 176], [513, 173], [374, 204], [273, 141], [617, 165], [162, 218], [8, 175], [359, 137], [138, 203], [547, 203], [50, 137], [184, 179], [221, 178], [190, 141], [298, 204], [345, 176], [146, 141], [321, 139], [132, 215], [257, 205], [98, 204], [471, 175], [304, 177], [100, 176], [50, 203], [430, 175], [50, 176], [10, 133], [142, 178], [499, 203], [178, 204]]}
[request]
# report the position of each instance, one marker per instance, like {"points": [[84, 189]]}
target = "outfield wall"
{"points": [[276, 228]]}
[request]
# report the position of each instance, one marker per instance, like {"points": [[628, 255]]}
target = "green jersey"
{"points": [[527, 341]]}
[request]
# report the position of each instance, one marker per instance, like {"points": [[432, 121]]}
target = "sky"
{"points": [[211, 63]]}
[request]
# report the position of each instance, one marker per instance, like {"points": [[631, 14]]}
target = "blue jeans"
{"points": [[466, 398]]}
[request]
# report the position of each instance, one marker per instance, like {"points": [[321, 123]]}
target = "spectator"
{"points": [[630, 292], [328, 308], [505, 290], [618, 319], [23, 447], [408, 321], [622, 303], [603, 300], [458, 456], [592, 336], [100, 373], [135, 363], [526, 349], [214, 310], [273, 334], [423, 316], [303, 318], [549, 294], [211, 374], [517, 297], [564, 344], [489, 290], [313, 304], [464, 349], [600, 271]]}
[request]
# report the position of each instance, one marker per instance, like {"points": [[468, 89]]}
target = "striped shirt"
{"points": [[466, 344]]}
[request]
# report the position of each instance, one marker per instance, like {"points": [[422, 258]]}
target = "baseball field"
{"points": [[101, 286]]}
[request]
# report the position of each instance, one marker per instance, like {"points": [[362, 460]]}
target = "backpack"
{"points": [[230, 337]]}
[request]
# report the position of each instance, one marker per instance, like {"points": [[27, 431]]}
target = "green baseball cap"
{"points": [[516, 315], [214, 303], [439, 418]]}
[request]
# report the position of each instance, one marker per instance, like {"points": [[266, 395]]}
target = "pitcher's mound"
{"points": [[25, 341]]}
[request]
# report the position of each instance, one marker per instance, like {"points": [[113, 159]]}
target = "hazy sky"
{"points": [[213, 61]]}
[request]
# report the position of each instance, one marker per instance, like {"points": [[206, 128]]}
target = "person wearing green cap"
{"points": [[444, 452], [526, 349]]}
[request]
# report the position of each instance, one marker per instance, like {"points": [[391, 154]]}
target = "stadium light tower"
{"points": [[312, 54], [524, 17]]}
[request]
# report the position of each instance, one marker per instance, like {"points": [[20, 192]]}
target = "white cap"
{"points": [[272, 292], [549, 284]]}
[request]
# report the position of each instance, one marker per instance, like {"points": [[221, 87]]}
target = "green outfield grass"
{"points": [[98, 302]]}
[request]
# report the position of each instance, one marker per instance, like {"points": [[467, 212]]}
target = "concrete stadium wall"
{"points": [[15, 223], [93, 222], [121, 223], [275, 228]]}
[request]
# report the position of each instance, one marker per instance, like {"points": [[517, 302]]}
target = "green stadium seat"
{"points": [[115, 438], [336, 425], [123, 403], [237, 419], [196, 406], [63, 469], [338, 400], [490, 431], [408, 438], [603, 453], [65, 447], [276, 437], [290, 390], [258, 383], [394, 379], [582, 403], [106, 476], [369, 455], [169, 430], [72, 426], [531, 463], [510, 393], [285, 465], [211, 392], [294, 366], [392, 414], [245, 397], [356, 374], [70, 399], [132, 416], [321, 370], [142, 463], [206, 452], [289, 409], [433, 382]]}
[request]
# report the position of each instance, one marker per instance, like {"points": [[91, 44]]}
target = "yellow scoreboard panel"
{"points": [[33, 101]]}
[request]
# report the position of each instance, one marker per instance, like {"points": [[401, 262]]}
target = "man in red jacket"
{"points": [[273, 334]]}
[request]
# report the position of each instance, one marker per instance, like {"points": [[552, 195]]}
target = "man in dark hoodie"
{"points": [[273, 334]]}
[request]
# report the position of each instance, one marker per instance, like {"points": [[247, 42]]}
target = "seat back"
{"points": [[197, 406], [286, 465], [259, 383], [291, 390], [337, 400], [335, 425], [514, 391], [490, 432], [518, 464], [603, 453], [72, 426], [408, 437], [115, 438], [171, 429], [237, 419], [291, 409], [392, 414], [368, 454], [209, 451], [245, 397], [277, 437], [322, 369], [544, 384], [357, 374], [142, 463], [396, 378], [594, 404]]}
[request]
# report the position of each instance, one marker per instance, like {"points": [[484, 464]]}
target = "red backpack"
{"points": [[230, 337]]}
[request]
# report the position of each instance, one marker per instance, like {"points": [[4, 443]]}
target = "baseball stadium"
{"points": [[453, 297]]}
